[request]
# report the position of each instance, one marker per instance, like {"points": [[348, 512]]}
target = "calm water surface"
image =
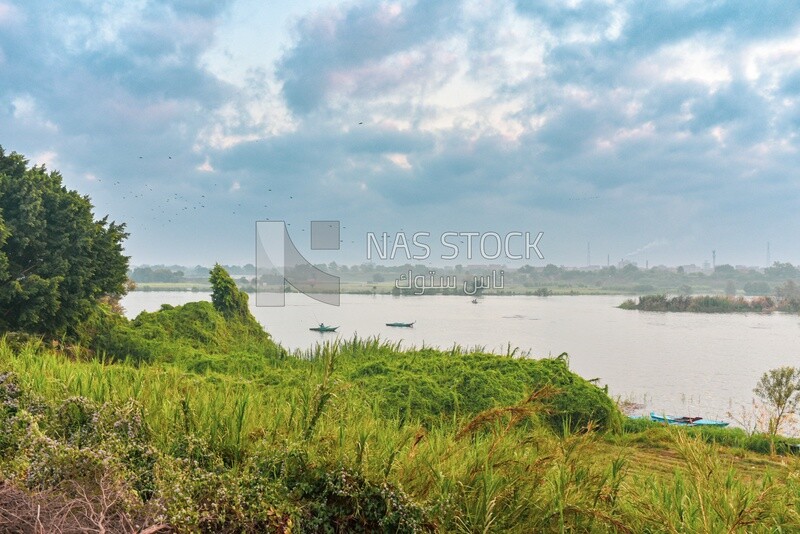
{"points": [[681, 363]]}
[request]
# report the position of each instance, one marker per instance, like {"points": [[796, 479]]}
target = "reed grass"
{"points": [[315, 434]]}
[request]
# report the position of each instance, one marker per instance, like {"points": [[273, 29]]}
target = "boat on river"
{"points": [[686, 421], [323, 328], [401, 325]]}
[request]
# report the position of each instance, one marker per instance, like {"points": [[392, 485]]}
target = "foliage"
{"points": [[431, 384], [730, 288], [148, 274], [780, 389], [757, 288], [195, 334], [703, 304], [227, 298], [56, 261], [232, 451]]}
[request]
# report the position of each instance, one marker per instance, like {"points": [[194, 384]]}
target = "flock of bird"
{"points": [[170, 209]]}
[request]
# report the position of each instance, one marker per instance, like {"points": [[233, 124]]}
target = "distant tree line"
{"points": [[149, 274], [537, 280]]}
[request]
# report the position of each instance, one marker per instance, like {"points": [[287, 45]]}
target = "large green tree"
{"points": [[56, 261], [226, 297]]}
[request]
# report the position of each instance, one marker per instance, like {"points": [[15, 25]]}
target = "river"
{"points": [[677, 363]]}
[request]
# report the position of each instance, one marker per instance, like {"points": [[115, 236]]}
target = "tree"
{"points": [[780, 390], [225, 296], [757, 288], [787, 290], [730, 288], [56, 261], [551, 270], [724, 270], [3, 259], [782, 271]]}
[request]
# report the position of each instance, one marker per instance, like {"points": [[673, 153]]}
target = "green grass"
{"points": [[211, 427]]}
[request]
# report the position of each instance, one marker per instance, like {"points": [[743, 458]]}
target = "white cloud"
{"points": [[26, 110], [48, 158], [766, 63], [401, 160], [698, 59], [206, 166]]}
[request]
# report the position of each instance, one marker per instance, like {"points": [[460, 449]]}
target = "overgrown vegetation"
{"points": [[301, 445], [713, 304]]}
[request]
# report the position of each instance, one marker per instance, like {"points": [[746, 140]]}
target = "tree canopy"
{"points": [[56, 260], [225, 296]]}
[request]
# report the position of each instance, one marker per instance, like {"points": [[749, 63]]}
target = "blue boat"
{"points": [[401, 325], [686, 421], [323, 328]]}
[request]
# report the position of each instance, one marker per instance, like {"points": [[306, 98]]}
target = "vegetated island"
{"points": [[192, 419], [788, 302]]}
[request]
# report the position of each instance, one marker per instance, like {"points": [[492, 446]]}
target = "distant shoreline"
{"points": [[383, 289]]}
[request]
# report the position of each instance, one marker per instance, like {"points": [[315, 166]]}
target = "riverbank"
{"points": [[223, 436]]}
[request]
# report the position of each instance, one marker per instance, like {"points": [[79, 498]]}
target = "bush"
{"points": [[431, 385], [757, 288]]}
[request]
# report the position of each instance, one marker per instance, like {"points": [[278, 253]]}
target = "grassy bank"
{"points": [[184, 420]]}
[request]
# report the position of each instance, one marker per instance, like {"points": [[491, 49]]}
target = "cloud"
{"points": [[345, 50], [582, 116]]}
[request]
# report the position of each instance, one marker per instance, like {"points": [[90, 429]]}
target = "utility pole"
{"points": [[713, 259], [588, 253]]}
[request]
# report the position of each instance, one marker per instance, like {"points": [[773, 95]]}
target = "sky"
{"points": [[652, 132]]}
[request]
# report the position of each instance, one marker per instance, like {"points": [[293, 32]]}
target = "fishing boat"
{"points": [[685, 421], [323, 328], [401, 325]]}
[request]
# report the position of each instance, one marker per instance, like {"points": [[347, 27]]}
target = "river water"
{"points": [[677, 363]]}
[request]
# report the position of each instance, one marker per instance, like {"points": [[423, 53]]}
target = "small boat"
{"points": [[685, 421], [323, 328], [401, 325]]}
